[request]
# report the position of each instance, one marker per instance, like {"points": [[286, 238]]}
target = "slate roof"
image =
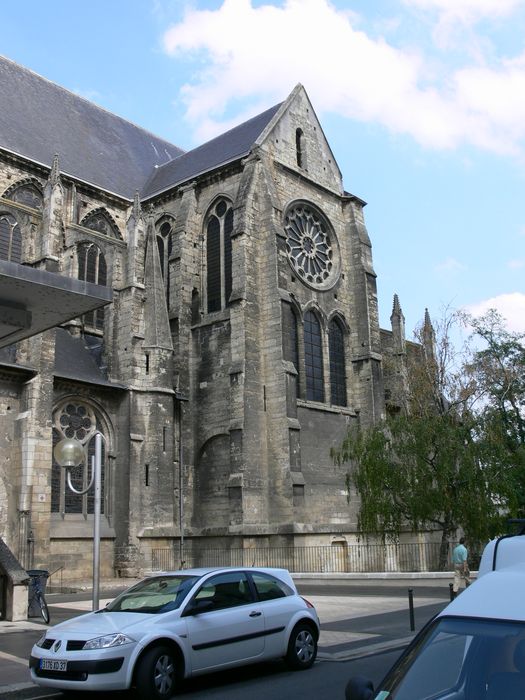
{"points": [[232, 145], [39, 118], [74, 361]]}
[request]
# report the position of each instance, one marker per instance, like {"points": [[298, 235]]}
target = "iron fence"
{"points": [[340, 557]]}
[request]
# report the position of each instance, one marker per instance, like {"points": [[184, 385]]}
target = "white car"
{"points": [[179, 624], [475, 648]]}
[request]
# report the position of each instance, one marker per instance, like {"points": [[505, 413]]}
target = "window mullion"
{"points": [[222, 263]]}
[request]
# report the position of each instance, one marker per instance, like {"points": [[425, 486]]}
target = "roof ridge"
{"points": [[221, 135], [228, 156]]}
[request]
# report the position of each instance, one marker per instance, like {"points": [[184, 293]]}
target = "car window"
{"points": [[269, 587], [462, 658], [154, 595], [225, 591]]}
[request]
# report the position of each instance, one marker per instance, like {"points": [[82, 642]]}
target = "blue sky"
{"points": [[422, 101]]}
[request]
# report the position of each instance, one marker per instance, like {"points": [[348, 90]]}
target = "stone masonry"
{"points": [[243, 337]]}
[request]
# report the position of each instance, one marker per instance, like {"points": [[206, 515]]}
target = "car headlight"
{"points": [[109, 640], [41, 641]]}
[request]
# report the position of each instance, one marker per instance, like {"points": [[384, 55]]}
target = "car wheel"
{"points": [[157, 674], [302, 647]]}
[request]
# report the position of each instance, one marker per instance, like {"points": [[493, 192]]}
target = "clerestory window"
{"points": [[26, 193], [219, 227], [164, 246], [99, 220], [10, 238], [92, 268]]}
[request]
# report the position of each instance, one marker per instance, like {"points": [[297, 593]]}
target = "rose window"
{"points": [[76, 421], [309, 246]]}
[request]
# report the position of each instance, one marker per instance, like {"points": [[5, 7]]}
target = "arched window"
{"points": [[219, 229], [76, 419], [92, 268], [313, 358], [26, 193], [336, 346], [300, 150], [10, 238], [164, 245], [99, 220]]}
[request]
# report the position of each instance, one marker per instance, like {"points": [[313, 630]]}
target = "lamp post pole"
{"points": [[97, 468], [71, 453], [181, 398]]}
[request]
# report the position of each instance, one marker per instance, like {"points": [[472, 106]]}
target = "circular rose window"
{"points": [[311, 246], [76, 420]]}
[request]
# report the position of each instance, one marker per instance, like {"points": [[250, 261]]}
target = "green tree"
{"points": [[498, 369], [426, 467]]}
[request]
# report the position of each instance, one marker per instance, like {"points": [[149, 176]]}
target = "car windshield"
{"points": [[462, 659], [158, 594]]}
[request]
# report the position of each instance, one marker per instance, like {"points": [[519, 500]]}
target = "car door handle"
{"points": [[255, 613]]}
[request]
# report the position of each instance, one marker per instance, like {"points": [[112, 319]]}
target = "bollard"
{"points": [[451, 590], [411, 608]]}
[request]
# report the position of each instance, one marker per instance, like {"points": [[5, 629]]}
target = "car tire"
{"points": [[302, 647], [157, 674]]}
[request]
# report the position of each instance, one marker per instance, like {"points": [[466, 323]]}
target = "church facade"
{"points": [[242, 344]]}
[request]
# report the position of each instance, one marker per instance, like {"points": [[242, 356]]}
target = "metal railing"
{"points": [[53, 584], [363, 558]]}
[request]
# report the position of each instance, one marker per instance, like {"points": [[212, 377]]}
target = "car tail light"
{"points": [[308, 604]]}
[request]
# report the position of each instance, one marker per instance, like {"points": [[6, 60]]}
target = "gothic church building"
{"points": [[242, 342]]}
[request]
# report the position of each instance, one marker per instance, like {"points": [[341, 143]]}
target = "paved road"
{"points": [[364, 627]]}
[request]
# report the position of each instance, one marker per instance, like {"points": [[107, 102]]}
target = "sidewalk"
{"points": [[355, 621]]}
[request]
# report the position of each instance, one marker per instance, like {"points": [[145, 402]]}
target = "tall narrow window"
{"points": [[313, 358], [92, 268], [10, 239], [219, 229], [337, 363], [300, 151], [164, 245]]}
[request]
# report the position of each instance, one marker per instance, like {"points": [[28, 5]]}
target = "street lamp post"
{"points": [[70, 453], [181, 398]]}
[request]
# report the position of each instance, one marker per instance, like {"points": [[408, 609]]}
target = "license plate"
{"points": [[53, 665]]}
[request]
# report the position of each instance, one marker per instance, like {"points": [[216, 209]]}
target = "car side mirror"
{"points": [[359, 688], [196, 607]]}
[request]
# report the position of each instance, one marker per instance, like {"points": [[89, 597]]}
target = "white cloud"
{"points": [[253, 56], [450, 266], [91, 95], [468, 10], [510, 306]]}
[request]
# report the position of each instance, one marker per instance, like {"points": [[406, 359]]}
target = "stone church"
{"points": [[242, 343]]}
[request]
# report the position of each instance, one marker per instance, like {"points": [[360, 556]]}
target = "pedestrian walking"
{"points": [[460, 563]]}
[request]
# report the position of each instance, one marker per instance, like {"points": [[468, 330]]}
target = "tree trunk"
{"points": [[443, 549]]}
